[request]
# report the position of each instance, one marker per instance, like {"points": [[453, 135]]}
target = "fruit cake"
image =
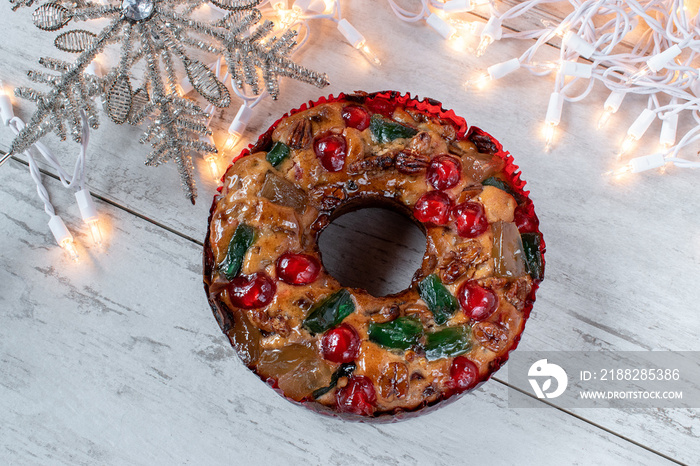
{"points": [[341, 350]]}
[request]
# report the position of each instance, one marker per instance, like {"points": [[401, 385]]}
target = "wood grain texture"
{"points": [[117, 360], [92, 365]]}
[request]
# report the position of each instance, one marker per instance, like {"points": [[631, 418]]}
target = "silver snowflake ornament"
{"points": [[163, 34]]}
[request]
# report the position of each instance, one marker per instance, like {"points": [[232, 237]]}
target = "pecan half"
{"points": [[458, 261], [372, 163], [394, 381], [483, 143], [452, 271], [386, 314], [300, 136], [447, 131], [321, 222], [516, 292], [409, 162], [420, 143], [491, 336], [272, 324]]}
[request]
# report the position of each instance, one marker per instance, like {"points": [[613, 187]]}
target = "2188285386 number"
{"points": [[639, 374]]}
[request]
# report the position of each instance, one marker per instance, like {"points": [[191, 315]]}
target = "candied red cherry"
{"points": [[524, 220], [470, 219], [463, 373], [381, 106], [356, 117], [341, 344], [251, 291], [331, 150], [357, 397], [444, 172], [477, 302], [433, 207], [297, 269]]}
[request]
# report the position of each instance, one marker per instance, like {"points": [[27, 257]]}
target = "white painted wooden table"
{"points": [[117, 359]]}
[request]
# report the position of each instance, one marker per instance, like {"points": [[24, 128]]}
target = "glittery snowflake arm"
{"points": [[71, 91], [164, 35]]}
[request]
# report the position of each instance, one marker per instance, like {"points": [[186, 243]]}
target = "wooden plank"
{"points": [[117, 360]]}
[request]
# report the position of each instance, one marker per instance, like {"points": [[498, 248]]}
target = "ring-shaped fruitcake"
{"points": [[341, 350]]}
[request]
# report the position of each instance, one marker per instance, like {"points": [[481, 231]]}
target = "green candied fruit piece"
{"points": [[496, 183], [400, 333], [439, 300], [277, 154], [533, 257], [451, 341], [385, 130], [330, 312], [345, 370], [242, 238]]}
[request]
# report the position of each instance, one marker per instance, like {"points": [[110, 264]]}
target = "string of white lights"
{"points": [[662, 62], [76, 181]]}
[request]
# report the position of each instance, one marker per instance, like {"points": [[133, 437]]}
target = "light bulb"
{"points": [[549, 130], [213, 162], [636, 130], [231, 141], [611, 105], [289, 17], [626, 145], [557, 29], [88, 212], [547, 65], [95, 232], [478, 82], [485, 41], [465, 27], [368, 54], [63, 236], [618, 173], [604, 117], [643, 71], [552, 118], [6, 111], [69, 246]]}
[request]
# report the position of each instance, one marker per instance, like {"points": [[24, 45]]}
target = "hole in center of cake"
{"points": [[376, 249]]}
